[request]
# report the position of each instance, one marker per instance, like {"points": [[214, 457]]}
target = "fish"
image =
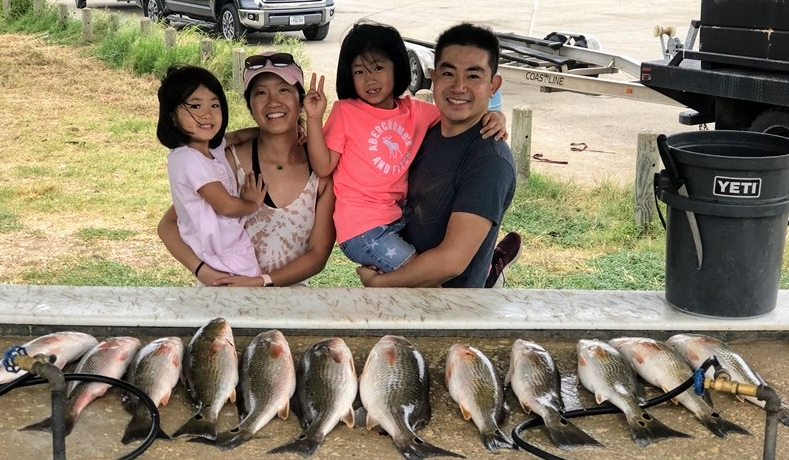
{"points": [[394, 388], [326, 387], [535, 380], [110, 358], [663, 367], [267, 382], [697, 348], [474, 384], [604, 372], [210, 370], [155, 370], [67, 346]]}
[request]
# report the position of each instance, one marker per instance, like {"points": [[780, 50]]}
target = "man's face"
{"points": [[462, 87]]}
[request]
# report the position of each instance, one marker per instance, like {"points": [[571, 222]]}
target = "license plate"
{"points": [[297, 20]]}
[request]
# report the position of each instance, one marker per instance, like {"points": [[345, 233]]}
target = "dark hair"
{"points": [[466, 34], [177, 85], [370, 37]]}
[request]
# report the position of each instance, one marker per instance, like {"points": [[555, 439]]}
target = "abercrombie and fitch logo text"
{"points": [[392, 142]]}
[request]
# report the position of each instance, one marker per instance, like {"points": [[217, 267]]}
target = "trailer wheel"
{"points": [[418, 80], [773, 121]]}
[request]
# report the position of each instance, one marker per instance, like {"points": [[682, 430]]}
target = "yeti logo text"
{"points": [[740, 187]]}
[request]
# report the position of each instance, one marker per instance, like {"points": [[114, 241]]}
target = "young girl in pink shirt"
{"points": [[211, 212], [369, 141]]}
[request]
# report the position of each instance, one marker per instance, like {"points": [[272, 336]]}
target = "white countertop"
{"points": [[362, 309]]}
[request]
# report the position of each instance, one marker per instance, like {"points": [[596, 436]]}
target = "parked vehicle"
{"points": [[234, 18], [738, 79]]}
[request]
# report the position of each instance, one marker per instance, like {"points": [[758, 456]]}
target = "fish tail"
{"points": [[305, 445], [231, 439], [646, 429], [495, 440], [783, 415], [721, 427], [417, 449], [44, 425], [138, 428], [567, 436], [197, 426]]}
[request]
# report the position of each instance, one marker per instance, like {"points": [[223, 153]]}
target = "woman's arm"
{"points": [[240, 136], [319, 247], [168, 233]]}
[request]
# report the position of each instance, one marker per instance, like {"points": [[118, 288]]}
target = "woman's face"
{"points": [[274, 104], [200, 115]]}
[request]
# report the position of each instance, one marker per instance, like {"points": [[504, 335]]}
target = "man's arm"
{"points": [[465, 234]]}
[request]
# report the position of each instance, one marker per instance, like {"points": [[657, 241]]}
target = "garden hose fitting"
{"points": [[726, 385]]}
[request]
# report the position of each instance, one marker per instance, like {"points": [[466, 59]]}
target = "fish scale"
{"points": [[267, 382], [535, 380], [663, 367], [474, 384], [326, 387], [394, 388], [604, 372], [211, 373]]}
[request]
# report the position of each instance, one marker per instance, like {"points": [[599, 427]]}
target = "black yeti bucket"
{"points": [[728, 206]]}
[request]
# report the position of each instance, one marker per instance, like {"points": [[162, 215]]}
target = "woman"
{"points": [[292, 232]]}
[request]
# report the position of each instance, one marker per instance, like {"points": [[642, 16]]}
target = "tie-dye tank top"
{"points": [[280, 235]]}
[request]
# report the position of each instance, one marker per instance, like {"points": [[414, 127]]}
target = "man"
{"points": [[460, 185]]}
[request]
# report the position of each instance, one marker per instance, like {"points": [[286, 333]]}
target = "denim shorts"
{"points": [[382, 247]]}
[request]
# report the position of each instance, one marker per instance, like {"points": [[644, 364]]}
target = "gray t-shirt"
{"points": [[463, 173]]}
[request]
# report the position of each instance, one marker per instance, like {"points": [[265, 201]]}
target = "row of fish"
{"points": [[393, 386]]}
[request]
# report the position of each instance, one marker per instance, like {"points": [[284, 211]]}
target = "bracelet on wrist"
{"points": [[267, 280], [197, 270]]}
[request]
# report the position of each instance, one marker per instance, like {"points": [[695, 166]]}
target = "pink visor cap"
{"points": [[280, 64]]}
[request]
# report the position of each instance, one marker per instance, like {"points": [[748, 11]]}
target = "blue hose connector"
{"points": [[698, 382], [9, 360]]}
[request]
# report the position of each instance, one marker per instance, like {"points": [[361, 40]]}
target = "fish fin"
{"points": [[197, 426], [508, 377], [44, 425], [565, 435], [783, 415], [415, 448], [666, 390], [231, 439], [166, 398], [495, 440], [349, 417], [646, 429], [740, 398], [466, 413], [525, 406], [284, 412], [305, 445], [371, 422], [721, 427], [599, 398], [138, 428], [232, 397]]}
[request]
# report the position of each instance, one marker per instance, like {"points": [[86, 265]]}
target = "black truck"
{"points": [[739, 76]]}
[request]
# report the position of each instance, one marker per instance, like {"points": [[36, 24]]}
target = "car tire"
{"points": [[81, 4], [316, 33], [773, 121], [230, 26], [418, 80], [154, 10]]}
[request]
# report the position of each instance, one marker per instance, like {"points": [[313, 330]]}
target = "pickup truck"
{"points": [[234, 18]]}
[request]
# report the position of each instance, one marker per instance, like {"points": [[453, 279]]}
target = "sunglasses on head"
{"points": [[277, 60]]}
